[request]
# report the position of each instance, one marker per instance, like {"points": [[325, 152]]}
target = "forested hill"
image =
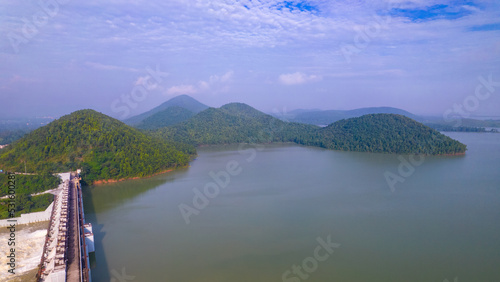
{"points": [[388, 133], [384, 133], [232, 123], [170, 116], [104, 147]]}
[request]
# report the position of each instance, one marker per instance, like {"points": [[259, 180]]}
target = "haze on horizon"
{"points": [[420, 56]]}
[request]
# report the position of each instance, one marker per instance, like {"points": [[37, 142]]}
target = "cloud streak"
{"points": [[298, 78]]}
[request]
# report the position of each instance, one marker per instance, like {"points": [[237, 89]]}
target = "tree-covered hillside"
{"points": [[30, 184], [103, 147], [234, 123], [170, 116], [388, 133], [384, 133], [25, 185]]}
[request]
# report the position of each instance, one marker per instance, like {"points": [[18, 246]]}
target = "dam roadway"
{"points": [[73, 250], [69, 239]]}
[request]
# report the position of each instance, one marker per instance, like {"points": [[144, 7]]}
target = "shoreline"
{"points": [[454, 154], [107, 181]]}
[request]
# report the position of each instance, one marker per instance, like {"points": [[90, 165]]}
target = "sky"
{"points": [[121, 58]]}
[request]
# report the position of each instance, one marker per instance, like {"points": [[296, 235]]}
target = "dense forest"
{"points": [[25, 186], [9, 136], [383, 133], [25, 203], [168, 117], [103, 147], [29, 184], [388, 133]]}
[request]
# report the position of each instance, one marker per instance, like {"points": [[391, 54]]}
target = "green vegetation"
{"points": [[233, 123], [383, 133], [170, 116], [103, 147], [25, 186], [388, 133], [9, 136], [25, 204], [30, 184]]}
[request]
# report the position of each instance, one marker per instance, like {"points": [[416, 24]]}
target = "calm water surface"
{"points": [[442, 222]]}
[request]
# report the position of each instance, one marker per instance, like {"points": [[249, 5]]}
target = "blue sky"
{"points": [[125, 57]]}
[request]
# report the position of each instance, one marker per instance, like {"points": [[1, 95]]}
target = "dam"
{"points": [[69, 238]]}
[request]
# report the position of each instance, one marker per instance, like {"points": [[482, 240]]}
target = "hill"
{"points": [[170, 116], [388, 133], [103, 147], [233, 123], [384, 133], [182, 101]]}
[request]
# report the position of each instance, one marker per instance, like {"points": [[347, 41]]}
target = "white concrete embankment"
{"points": [[28, 218]]}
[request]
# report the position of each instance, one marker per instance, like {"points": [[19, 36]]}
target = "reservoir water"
{"points": [[334, 215]]}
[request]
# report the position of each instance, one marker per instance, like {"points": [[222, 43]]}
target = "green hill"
{"points": [[384, 133], [104, 147], [244, 110], [170, 116], [388, 133], [182, 101], [235, 123]]}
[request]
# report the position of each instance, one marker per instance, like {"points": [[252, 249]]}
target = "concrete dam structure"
{"points": [[69, 238]]}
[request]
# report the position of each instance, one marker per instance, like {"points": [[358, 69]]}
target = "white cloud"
{"points": [[214, 79], [298, 78], [215, 83], [227, 76], [203, 85]]}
